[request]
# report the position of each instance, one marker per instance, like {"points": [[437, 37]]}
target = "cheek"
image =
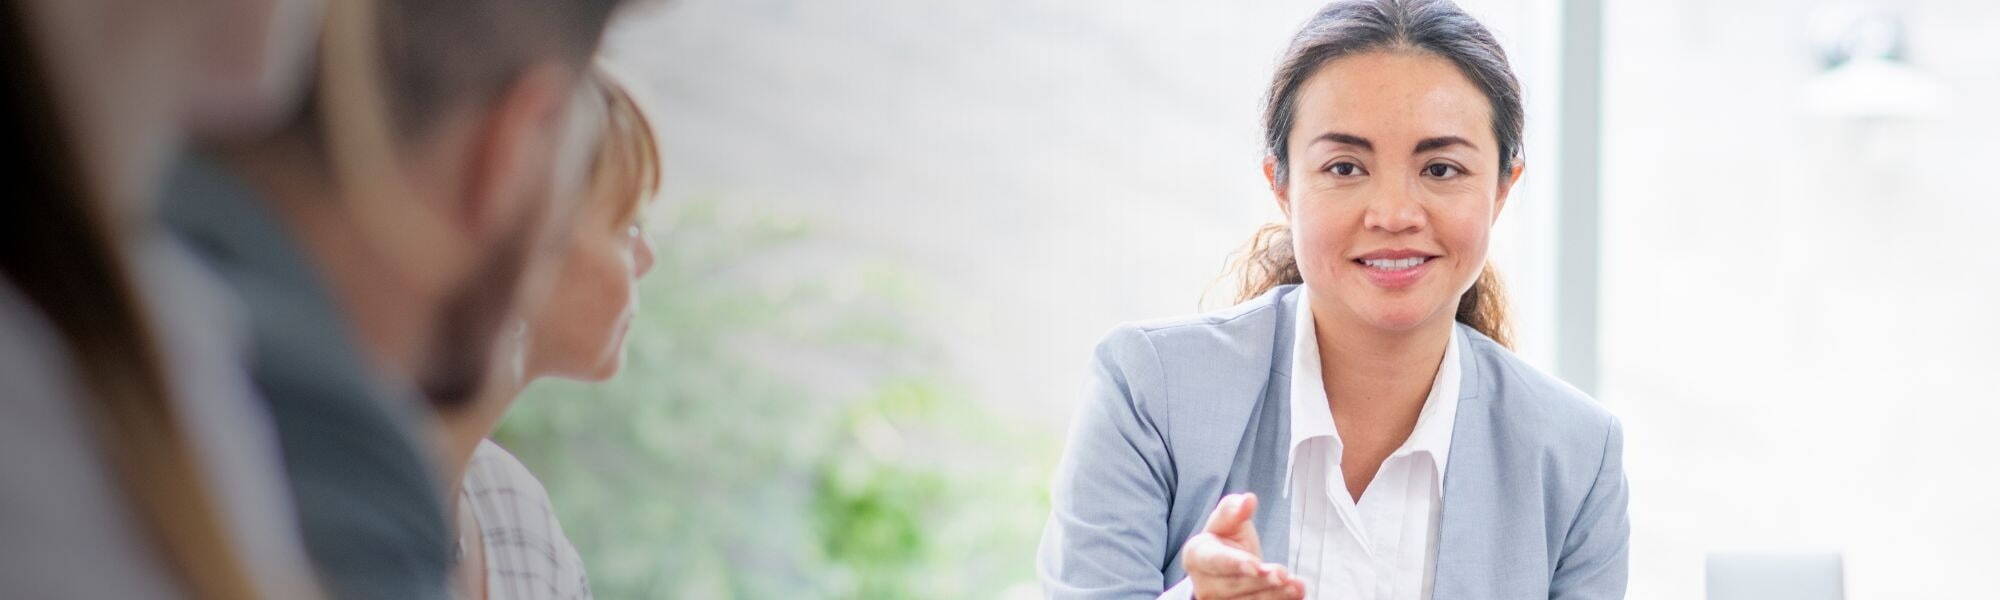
{"points": [[1464, 232], [601, 275], [616, 272], [585, 305], [1322, 228]]}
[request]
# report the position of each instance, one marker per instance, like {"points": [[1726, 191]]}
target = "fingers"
{"points": [[1225, 562], [1231, 521], [1293, 589], [1208, 555], [1269, 581], [1232, 515]]}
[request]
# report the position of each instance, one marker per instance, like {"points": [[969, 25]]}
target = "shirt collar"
{"points": [[1311, 418], [1432, 435]]}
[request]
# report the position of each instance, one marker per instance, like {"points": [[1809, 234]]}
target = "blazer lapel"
{"points": [[1266, 450], [1470, 474]]}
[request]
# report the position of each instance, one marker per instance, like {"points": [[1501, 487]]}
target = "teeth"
{"points": [[1394, 264]]}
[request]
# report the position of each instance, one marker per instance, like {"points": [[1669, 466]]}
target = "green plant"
{"points": [[779, 432]]}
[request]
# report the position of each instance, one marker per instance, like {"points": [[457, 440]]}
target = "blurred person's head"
{"points": [[578, 330], [254, 56], [133, 76], [98, 96], [441, 128], [1393, 135]]}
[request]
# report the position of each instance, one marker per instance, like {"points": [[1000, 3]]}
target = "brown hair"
{"points": [[1349, 27], [386, 67], [62, 251], [438, 54], [626, 164]]}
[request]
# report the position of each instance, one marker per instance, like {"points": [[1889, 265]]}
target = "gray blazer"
{"points": [[1180, 412]]}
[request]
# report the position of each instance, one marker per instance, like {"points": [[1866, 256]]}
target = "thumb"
{"points": [[1231, 520]]}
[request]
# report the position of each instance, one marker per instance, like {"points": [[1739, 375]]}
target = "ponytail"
{"points": [[1266, 262], [1484, 307]]}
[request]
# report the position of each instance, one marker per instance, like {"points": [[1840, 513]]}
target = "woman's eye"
{"points": [[1345, 169], [1441, 170]]}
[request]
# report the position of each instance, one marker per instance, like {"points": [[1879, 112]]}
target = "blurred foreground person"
{"points": [[378, 241], [513, 547], [138, 462]]}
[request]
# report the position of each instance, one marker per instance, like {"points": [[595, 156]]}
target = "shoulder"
{"points": [[1246, 330], [518, 524], [1529, 404], [229, 425], [1197, 374], [1228, 325], [61, 501], [494, 470]]}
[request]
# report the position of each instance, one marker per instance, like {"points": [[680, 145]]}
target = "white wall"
{"points": [[1798, 309], [1048, 168]]}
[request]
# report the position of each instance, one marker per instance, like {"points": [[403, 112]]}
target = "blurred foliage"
{"points": [[780, 430]]}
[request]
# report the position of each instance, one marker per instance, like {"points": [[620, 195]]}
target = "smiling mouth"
{"points": [[1394, 264]]}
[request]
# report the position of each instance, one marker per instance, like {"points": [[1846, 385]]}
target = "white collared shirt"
{"points": [[1385, 546]]}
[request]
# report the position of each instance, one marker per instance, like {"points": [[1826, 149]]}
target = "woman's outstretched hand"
{"points": [[1224, 561]]}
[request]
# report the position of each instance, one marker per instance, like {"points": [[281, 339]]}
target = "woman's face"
{"points": [[1393, 187], [578, 332]]}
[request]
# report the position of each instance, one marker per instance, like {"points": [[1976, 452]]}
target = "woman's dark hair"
{"points": [[59, 247], [1349, 27]]}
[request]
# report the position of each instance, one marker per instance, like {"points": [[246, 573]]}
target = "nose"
{"points": [[643, 256], [1395, 210]]}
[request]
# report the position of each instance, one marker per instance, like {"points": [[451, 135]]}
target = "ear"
{"points": [[1507, 187], [511, 155], [1277, 189]]}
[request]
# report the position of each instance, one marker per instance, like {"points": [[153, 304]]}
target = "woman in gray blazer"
{"points": [[1356, 427]]}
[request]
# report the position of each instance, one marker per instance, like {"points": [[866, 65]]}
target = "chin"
{"points": [[607, 368], [601, 373], [1398, 316]]}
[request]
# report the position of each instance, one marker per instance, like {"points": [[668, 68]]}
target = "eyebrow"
{"points": [[1428, 144], [1346, 138]]}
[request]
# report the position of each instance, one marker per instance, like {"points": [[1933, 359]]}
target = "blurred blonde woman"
{"points": [[510, 544], [135, 461]]}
